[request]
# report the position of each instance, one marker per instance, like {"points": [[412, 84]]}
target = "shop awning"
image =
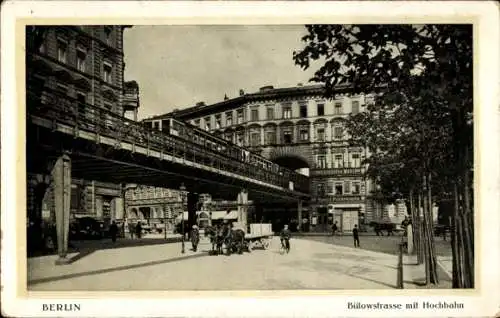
{"points": [[216, 215]]}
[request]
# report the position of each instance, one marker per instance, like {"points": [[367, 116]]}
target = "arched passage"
{"points": [[293, 163]]}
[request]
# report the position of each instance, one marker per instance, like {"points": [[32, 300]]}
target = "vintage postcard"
{"points": [[248, 159]]}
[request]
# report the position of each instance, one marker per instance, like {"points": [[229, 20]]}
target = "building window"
{"points": [[356, 188], [355, 107], [356, 161], [303, 111], [82, 99], [321, 189], [107, 68], [255, 138], [62, 51], [270, 113], [347, 187], [207, 123], [338, 189], [229, 136], [329, 188], [338, 161], [239, 139], [254, 114], [287, 137], [304, 134], [321, 109], [321, 161], [320, 132], [287, 112], [197, 122], [270, 137], [156, 125], [81, 56], [229, 119], [338, 108], [107, 35], [337, 132], [239, 116], [217, 122]]}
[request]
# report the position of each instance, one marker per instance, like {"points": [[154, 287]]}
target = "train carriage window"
{"points": [[164, 125]]}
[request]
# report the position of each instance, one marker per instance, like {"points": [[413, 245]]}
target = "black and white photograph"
{"points": [[251, 157], [350, 167]]}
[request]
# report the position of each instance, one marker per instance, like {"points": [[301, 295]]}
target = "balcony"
{"points": [[130, 100], [336, 172]]}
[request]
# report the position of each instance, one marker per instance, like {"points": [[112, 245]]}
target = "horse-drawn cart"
{"points": [[260, 236], [238, 240]]}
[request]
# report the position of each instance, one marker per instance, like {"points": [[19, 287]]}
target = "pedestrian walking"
{"points": [[195, 237], [131, 229], [355, 235], [334, 228], [113, 231], [138, 229]]}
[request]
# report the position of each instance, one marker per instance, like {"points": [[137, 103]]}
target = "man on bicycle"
{"points": [[285, 235]]}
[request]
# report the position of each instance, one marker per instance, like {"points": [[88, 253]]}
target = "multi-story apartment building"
{"points": [[158, 207], [298, 128], [83, 64]]}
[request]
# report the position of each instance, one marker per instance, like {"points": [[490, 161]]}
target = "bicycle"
{"points": [[285, 246]]}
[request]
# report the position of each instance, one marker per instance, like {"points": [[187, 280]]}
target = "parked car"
{"points": [[86, 228]]}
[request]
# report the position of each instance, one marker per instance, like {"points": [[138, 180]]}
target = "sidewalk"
{"points": [[309, 265], [414, 274]]}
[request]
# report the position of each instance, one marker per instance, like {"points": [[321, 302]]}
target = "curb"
{"points": [[450, 275]]}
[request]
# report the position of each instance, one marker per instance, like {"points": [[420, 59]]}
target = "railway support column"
{"points": [[299, 215], [192, 202], [61, 174], [243, 208]]}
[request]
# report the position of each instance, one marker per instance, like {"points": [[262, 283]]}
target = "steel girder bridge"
{"points": [[69, 139]]}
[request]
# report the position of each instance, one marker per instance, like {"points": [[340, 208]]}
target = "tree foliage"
{"points": [[418, 128]]}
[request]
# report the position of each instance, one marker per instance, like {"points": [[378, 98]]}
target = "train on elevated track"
{"points": [[193, 134]]}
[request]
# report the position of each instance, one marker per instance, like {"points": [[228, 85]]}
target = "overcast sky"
{"points": [[178, 66]]}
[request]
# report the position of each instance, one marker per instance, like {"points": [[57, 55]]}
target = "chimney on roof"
{"points": [[199, 104], [225, 97], [242, 92]]}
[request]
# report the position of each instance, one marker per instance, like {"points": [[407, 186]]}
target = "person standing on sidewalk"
{"points": [[138, 229], [334, 228], [355, 235], [113, 231], [131, 229], [195, 237]]}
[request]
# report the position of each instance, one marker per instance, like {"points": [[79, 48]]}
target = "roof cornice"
{"points": [[270, 94]]}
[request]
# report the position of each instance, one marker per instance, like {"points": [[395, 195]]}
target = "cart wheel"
{"points": [[265, 243]]}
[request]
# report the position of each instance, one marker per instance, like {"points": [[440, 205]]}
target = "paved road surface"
{"points": [[310, 265]]}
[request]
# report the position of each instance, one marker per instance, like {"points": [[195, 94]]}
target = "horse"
{"points": [[216, 238], [234, 241]]}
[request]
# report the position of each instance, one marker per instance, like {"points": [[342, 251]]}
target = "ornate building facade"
{"points": [[84, 65], [298, 128]]}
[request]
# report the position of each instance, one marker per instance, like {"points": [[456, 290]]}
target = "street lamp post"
{"points": [[183, 189], [165, 220]]}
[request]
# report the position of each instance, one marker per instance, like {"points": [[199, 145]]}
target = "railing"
{"points": [[60, 108], [336, 171]]}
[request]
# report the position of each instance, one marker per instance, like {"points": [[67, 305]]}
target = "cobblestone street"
{"points": [[310, 265]]}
